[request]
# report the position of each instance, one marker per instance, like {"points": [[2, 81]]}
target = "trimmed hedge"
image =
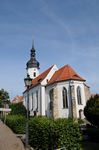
{"points": [[47, 134], [17, 123]]}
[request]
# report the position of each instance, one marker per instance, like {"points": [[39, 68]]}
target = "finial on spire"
{"points": [[32, 43]]}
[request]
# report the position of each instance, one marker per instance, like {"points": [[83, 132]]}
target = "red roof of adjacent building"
{"points": [[65, 73], [93, 95], [17, 99], [39, 78]]}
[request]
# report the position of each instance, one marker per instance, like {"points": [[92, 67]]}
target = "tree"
{"points": [[4, 98], [91, 110], [18, 109]]}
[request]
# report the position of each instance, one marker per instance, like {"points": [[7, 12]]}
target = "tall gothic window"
{"points": [[51, 98], [79, 95], [37, 99], [65, 101], [32, 102]]}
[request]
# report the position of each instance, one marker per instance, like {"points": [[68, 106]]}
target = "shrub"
{"points": [[16, 123], [91, 110], [39, 133], [18, 109], [47, 134]]}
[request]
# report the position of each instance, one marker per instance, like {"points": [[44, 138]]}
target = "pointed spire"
{"points": [[32, 43], [33, 62], [33, 55]]}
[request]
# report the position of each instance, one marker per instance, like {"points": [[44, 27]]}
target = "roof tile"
{"points": [[39, 78], [65, 73]]}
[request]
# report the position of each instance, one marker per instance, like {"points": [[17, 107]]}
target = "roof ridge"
{"points": [[69, 67], [41, 77], [61, 72], [43, 72]]}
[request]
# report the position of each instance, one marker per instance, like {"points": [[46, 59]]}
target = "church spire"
{"points": [[33, 63], [33, 55], [33, 44]]}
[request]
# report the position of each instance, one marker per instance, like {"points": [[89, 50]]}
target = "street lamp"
{"points": [[28, 83]]}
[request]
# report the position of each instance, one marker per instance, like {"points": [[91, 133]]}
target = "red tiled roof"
{"points": [[17, 99], [38, 79], [65, 73], [93, 95]]}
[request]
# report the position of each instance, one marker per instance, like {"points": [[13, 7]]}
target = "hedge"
{"points": [[47, 134], [17, 123]]}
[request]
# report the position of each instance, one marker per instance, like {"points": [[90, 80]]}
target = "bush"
{"points": [[16, 123], [91, 110], [47, 134], [18, 109], [39, 133]]}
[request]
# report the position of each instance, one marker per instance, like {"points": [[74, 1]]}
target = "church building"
{"points": [[57, 92]]}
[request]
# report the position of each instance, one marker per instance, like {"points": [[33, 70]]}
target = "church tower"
{"points": [[33, 64]]}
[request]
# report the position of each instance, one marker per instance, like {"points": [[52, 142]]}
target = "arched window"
{"points": [[79, 95], [51, 99], [65, 101], [37, 100]]}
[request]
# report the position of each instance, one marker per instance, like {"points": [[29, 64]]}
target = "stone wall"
{"points": [[87, 92], [73, 102], [55, 104]]}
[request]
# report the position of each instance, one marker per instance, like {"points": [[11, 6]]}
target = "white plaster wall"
{"points": [[81, 84], [41, 92], [24, 101], [33, 91], [50, 74], [42, 100], [31, 71]]}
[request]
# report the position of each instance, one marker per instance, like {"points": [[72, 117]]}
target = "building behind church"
{"points": [[57, 92]]}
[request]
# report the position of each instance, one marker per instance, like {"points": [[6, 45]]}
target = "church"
{"points": [[57, 92]]}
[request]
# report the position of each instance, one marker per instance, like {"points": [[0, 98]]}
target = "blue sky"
{"points": [[64, 31]]}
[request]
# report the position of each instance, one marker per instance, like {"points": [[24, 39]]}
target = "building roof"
{"points": [[40, 78], [17, 99], [94, 94], [65, 73]]}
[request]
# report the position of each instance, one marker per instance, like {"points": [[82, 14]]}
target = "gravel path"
{"points": [[8, 140]]}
